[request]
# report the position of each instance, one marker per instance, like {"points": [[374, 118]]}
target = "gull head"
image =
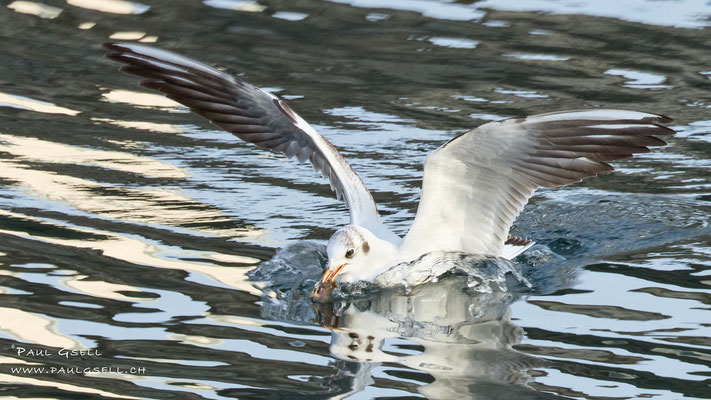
{"points": [[354, 254]]}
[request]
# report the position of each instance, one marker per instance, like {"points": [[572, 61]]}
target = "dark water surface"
{"points": [[128, 226]]}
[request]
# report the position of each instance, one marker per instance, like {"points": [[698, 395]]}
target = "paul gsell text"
{"points": [[66, 353]]}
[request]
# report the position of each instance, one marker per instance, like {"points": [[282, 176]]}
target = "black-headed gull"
{"points": [[473, 188]]}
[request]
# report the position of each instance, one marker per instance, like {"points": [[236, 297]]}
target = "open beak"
{"points": [[323, 291], [330, 275]]}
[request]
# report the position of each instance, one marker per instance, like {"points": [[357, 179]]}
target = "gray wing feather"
{"points": [[251, 114], [476, 185]]}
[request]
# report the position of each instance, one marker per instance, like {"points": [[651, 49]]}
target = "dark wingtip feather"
{"points": [[654, 141], [665, 130], [663, 119], [132, 70], [110, 46], [153, 85], [115, 49], [605, 167]]}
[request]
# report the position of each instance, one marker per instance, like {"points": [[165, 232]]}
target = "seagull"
{"points": [[474, 186]]}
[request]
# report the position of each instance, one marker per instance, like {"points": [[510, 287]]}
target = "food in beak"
{"points": [[323, 291]]}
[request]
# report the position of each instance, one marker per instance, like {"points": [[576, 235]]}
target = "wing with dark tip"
{"points": [[475, 186], [252, 115]]}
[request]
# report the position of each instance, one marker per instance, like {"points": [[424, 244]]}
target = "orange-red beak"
{"points": [[323, 291], [330, 276]]}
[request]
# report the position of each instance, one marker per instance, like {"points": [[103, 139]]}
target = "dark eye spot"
{"points": [[366, 247], [350, 253]]}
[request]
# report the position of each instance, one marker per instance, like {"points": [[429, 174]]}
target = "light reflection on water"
{"points": [[111, 6], [26, 103], [130, 226]]}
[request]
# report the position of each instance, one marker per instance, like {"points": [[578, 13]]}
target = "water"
{"points": [[129, 226]]}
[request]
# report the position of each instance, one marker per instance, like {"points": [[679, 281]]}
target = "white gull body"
{"points": [[474, 186]]}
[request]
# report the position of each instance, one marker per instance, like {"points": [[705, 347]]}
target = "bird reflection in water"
{"points": [[460, 340]]}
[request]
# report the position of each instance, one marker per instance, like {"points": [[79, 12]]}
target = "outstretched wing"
{"points": [[251, 114], [475, 186]]}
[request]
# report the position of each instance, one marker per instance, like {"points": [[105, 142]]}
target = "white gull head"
{"points": [[354, 254]]}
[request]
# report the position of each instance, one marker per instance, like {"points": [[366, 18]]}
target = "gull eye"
{"points": [[350, 253]]}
